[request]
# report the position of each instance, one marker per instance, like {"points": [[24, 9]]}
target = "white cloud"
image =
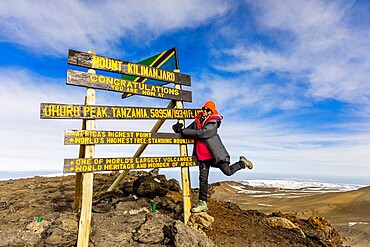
{"points": [[316, 43], [242, 94], [51, 27]]}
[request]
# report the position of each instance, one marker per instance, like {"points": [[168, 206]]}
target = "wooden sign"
{"points": [[64, 111], [78, 78], [116, 164], [91, 61], [85, 137]]}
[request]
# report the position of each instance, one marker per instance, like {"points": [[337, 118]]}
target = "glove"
{"points": [[178, 127]]}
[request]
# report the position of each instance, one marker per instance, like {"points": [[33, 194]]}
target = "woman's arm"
{"points": [[208, 130]]}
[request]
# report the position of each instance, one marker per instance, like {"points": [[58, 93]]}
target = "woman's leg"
{"points": [[203, 179], [230, 170], [203, 186]]}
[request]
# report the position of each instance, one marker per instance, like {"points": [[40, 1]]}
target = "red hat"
{"points": [[211, 105]]}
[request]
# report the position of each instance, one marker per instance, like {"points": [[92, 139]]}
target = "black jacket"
{"points": [[208, 133]]}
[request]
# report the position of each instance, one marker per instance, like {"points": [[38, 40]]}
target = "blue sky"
{"points": [[291, 78]]}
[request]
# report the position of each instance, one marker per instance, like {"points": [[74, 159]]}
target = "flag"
{"points": [[166, 60]]}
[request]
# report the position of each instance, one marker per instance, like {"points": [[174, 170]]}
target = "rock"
{"points": [[3, 205], [168, 206], [201, 221], [127, 183], [324, 230], [104, 201], [174, 185], [120, 228], [38, 227], [23, 239], [151, 186], [136, 211], [30, 235], [184, 236], [63, 231], [151, 232], [154, 172], [113, 238], [102, 207], [321, 224], [148, 184], [280, 222], [127, 204], [284, 223], [316, 228]]}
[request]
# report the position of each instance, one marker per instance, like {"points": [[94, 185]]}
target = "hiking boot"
{"points": [[246, 162], [201, 207]]}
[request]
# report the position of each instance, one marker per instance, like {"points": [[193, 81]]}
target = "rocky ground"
{"points": [[348, 211], [124, 217]]}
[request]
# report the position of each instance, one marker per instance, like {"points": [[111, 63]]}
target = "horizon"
{"points": [[289, 77], [214, 177]]}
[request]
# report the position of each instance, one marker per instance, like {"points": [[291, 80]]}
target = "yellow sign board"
{"points": [[91, 61], [64, 111], [124, 163], [103, 82], [86, 137]]}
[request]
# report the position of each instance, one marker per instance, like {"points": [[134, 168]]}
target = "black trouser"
{"points": [[205, 165]]}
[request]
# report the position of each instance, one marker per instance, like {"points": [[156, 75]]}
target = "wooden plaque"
{"points": [[85, 137], [64, 111], [78, 78], [124, 163], [91, 61]]}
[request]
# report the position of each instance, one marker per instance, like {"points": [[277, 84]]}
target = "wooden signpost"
{"points": [[84, 183], [185, 177], [86, 164]]}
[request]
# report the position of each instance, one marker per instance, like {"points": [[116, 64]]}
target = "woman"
{"points": [[209, 150]]}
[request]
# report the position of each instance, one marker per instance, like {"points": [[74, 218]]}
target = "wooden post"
{"points": [[185, 180], [87, 179], [140, 150], [78, 185]]}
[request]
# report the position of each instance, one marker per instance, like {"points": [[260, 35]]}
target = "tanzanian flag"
{"points": [[166, 60]]}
